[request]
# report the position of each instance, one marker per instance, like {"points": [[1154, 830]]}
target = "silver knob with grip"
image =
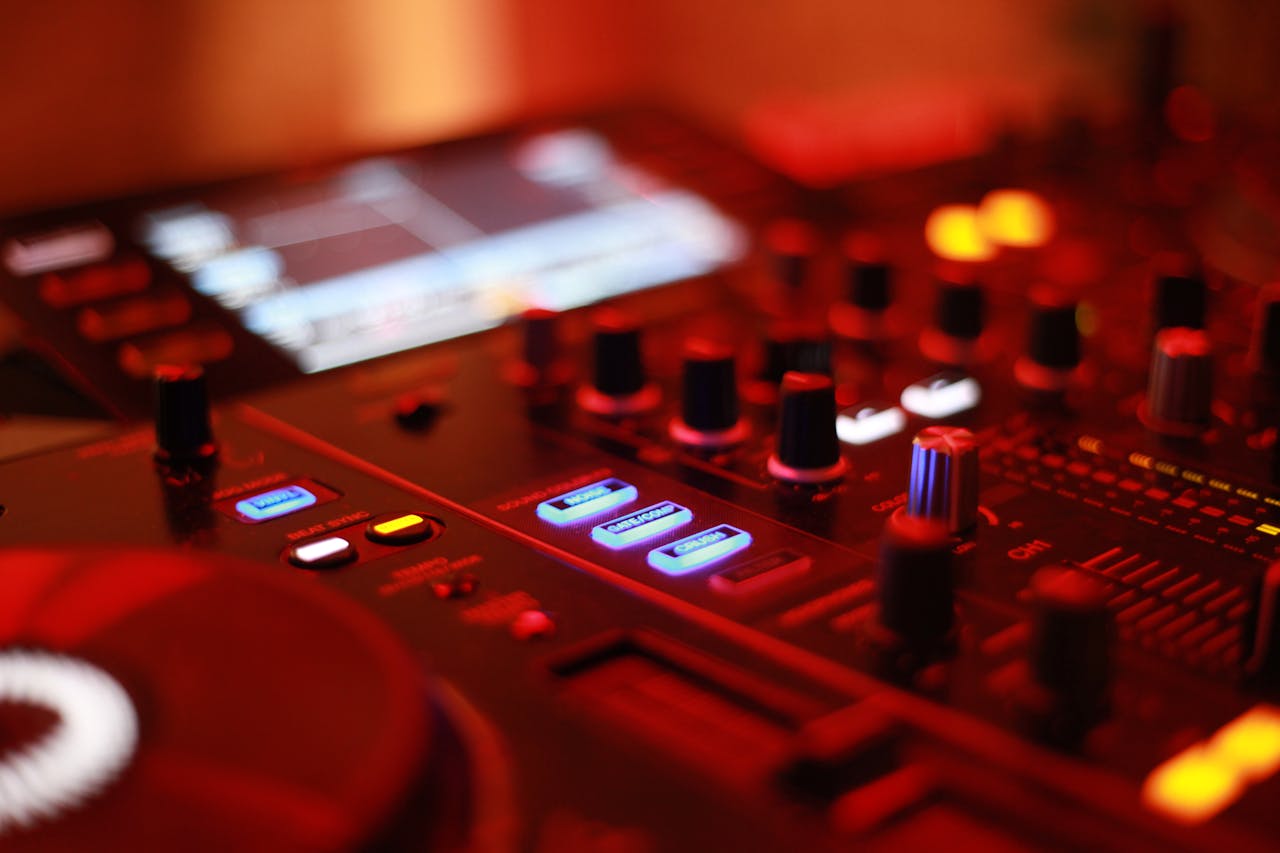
{"points": [[944, 477]]}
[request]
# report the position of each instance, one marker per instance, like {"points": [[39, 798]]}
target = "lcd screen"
{"points": [[391, 253]]}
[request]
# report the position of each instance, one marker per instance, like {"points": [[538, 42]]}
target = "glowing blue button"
{"points": [[642, 524], [587, 501], [691, 552], [275, 503]]}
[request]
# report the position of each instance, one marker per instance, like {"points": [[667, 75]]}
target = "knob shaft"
{"points": [[1071, 639], [915, 580], [944, 477], [183, 431], [1180, 385], [619, 384], [709, 412], [808, 450]]}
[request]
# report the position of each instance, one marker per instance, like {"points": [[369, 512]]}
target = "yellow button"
{"points": [[1250, 743], [386, 528], [1193, 786]]}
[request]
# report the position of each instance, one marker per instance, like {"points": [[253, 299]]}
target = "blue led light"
{"points": [[691, 552], [587, 501], [275, 503], [641, 524]]}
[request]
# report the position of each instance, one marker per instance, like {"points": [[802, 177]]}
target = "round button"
{"points": [[329, 552], [405, 528]]}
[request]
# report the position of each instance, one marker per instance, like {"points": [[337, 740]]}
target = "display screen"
{"points": [[391, 253]]}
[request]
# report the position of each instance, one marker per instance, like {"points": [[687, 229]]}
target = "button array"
{"points": [[393, 529], [674, 558]]}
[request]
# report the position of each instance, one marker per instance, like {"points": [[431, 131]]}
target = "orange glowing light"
{"points": [[1193, 786], [953, 232], [1016, 218], [1250, 743]]}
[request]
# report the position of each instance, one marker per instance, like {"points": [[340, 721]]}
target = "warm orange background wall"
{"points": [[104, 96]]}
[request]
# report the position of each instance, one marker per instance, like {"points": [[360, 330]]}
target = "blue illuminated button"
{"points": [[641, 524], [587, 501], [687, 554], [275, 503]]}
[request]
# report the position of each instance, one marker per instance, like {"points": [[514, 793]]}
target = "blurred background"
{"points": [[104, 98]]}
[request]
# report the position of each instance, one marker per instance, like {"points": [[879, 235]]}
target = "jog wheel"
{"points": [[155, 700]]}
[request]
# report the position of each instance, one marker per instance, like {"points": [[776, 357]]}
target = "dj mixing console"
{"points": [[931, 511]]}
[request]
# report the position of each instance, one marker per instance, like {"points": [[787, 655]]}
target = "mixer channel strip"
{"points": [[1147, 491], [1171, 611]]}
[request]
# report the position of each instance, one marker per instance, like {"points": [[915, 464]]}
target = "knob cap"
{"points": [[709, 413], [915, 580], [808, 450], [619, 384], [1180, 385], [1178, 297], [183, 431], [1053, 345], [1071, 639], [944, 477]]}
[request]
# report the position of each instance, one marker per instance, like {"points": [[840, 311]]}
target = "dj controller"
{"points": [[593, 487]]}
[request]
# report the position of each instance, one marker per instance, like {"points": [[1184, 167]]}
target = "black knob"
{"points": [[944, 477], [915, 580], [961, 309], [869, 278], [183, 431], [791, 244], [960, 314], [709, 413], [619, 384], [868, 290], [1180, 384], [1262, 640], [541, 338], [1264, 353], [1053, 344], [1071, 639], [795, 346], [1178, 292], [808, 450]]}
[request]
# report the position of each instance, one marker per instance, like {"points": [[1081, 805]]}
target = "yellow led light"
{"points": [[386, 527], [1193, 786], [1250, 743], [953, 233], [1015, 218], [1269, 529]]}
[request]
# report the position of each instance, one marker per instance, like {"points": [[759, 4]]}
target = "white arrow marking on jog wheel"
{"points": [[93, 740]]}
